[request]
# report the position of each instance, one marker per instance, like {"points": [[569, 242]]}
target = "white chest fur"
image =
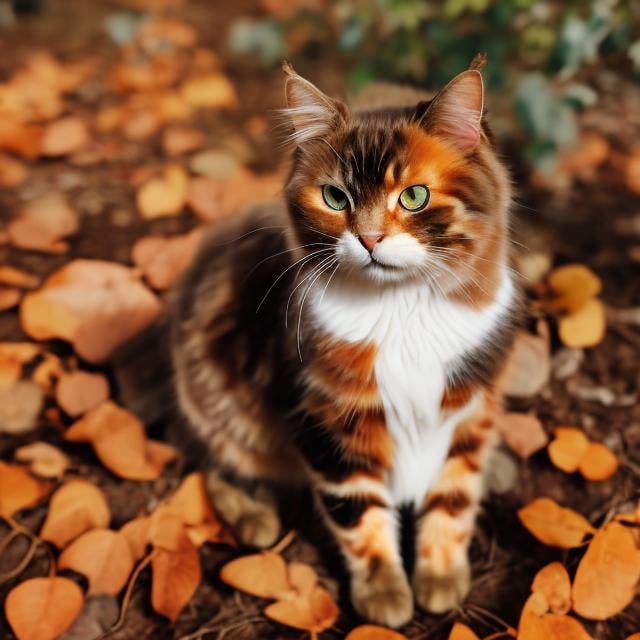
{"points": [[419, 336]]}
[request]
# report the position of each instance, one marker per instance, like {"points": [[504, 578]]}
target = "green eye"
{"points": [[414, 198], [334, 198]]}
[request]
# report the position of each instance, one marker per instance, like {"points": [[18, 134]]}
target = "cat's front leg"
{"points": [[442, 575], [367, 533]]}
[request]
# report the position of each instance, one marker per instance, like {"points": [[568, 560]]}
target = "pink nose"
{"points": [[370, 240]]}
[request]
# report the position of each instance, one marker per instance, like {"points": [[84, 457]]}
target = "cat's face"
{"points": [[397, 194]]}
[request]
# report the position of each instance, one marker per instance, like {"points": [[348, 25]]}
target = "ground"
{"points": [[590, 221]]}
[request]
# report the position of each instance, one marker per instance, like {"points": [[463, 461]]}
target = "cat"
{"points": [[352, 340]]}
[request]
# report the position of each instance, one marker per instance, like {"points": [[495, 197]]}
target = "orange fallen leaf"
{"points": [[164, 259], [79, 391], [179, 140], [20, 405], [12, 171], [537, 624], [585, 327], [64, 136], [528, 366], [263, 574], [553, 582], [591, 151], [76, 507], [573, 285], [214, 532], [164, 195], [632, 172], [18, 489], [372, 632], [21, 138], [209, 91], [137, 534], [13, 355], [43, 223], [314, 612], [43, 608], [522, 432], [213, 197], [93, 304], [103, 556], [598, 462], [568, 448], [43, 459], [176, 574], [9, 298], [607, 576], [462, 632], [190, 502], [554, 525], [48, 372], [118, 439], [17, 278]]}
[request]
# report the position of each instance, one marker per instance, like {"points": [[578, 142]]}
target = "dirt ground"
{"points": [[595, 221]]}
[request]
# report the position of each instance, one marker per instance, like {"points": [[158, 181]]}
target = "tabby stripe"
{"points": [[453, 502], [346, 511]]}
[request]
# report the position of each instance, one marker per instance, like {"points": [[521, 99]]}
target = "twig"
{"points": [[284, 542], [23, 564], [128, 593]]}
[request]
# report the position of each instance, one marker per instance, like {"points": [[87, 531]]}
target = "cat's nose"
{"points": [[370, 240]]}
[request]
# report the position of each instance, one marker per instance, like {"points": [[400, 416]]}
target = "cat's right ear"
{"points": [[312, 114]]}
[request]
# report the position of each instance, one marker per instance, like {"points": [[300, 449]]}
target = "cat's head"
{"points": [[397, 194]]}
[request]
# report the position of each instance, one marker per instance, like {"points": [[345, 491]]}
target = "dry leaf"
{"points": [[164, 259], [13, 355], [18, 278], [179, 140], [462, 632], [118, 439], [190, 502], [537, 624], [585, 327], [12, 171], [553, 582], [93, 304], [21, 138], [64, 136], [76, 507], [209, 91], [632, 172], [573, 285], [372, 632], [43, 458], [80, 391], [598, 462], [43, 608], [137, 534], [9, 298], [20, 406], [263, 574], [48, 372], [314, 613], [43, 223], [164, 195], [103, 556], [522, 432], [554, 525], [607, 576], [214, 163], [212, 198], [528, 366], [568, 448], [18, 489], [176, 575]]}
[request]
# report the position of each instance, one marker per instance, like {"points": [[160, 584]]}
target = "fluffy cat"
{"points": [[353, 339]]}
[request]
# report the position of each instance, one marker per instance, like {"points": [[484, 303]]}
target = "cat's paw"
{"points": [[385, 599], [439, 592], [259, 527]]}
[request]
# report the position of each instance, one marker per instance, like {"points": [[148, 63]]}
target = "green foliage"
{"points": [[535, 48]]}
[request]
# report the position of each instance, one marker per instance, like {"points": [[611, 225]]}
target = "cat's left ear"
{"points": [[456, 112], [311, 113]]}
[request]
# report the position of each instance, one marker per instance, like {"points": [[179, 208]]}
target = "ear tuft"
{"points": [[311, 113], [456, 112]]}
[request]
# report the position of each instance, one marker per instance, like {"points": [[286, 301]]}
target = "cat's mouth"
{"points": [[373, 262]]}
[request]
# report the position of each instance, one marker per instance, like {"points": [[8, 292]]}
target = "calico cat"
{"points": [[352, 340]]}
